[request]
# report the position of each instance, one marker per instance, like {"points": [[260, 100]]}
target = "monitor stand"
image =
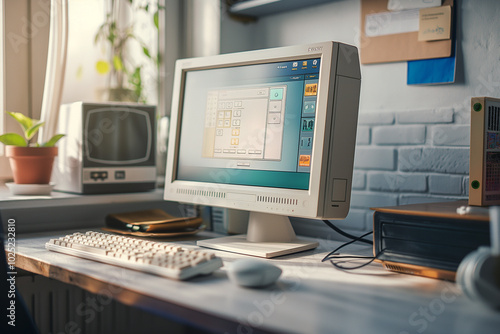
{"points": [[268, 236]]}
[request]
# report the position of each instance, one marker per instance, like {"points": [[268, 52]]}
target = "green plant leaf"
{"points": [[52, 141], [29, 133], [111, 37], [146, 51], [156, 19], [24, 121], [117, 63], [13, 139]]}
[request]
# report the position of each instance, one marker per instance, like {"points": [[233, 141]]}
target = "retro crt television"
{"points": [[108, 148], [269, 131]]}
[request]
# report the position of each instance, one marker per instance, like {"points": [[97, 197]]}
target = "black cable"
{"points": [[337, 265], [345, 234], [334, 255], [334, 252]]}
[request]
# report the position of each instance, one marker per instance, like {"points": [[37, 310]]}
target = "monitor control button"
{"points": [[339, 189]]}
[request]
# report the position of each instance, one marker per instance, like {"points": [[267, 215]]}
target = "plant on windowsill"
{"points": [[31, 163]]}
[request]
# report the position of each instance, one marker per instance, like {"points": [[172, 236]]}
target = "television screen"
{"points": [[117, 135]]}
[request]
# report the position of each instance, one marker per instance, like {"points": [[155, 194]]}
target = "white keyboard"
{"points": [[163, 259]]}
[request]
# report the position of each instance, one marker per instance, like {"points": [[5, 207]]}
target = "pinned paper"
{"points": [[397, 5], [435, 24], [389, 23], [381, 41], [432, 71]]}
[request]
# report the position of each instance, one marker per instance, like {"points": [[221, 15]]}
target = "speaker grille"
{"points": [[198, 192], [221, 194], [277, 200], [493, 118]]}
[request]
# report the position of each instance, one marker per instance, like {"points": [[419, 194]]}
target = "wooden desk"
{"points": [[310, 297]]}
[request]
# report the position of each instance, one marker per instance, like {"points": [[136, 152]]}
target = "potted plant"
{"points": [[31, 163]]}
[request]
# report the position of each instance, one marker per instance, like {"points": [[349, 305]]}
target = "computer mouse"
{"points": [[253, 273]]}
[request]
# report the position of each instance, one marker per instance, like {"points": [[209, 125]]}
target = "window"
{"points": [[4, 169], [2, 71], [25, 27]]}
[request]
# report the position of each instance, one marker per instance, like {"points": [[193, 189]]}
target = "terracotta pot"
{"points": [[31, 165]]}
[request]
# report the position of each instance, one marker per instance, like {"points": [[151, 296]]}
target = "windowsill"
{"points": [[6, 197], [67, 211], [57, 198]]}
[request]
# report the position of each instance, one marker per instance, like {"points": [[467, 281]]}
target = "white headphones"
{"points": [[479, 272]]}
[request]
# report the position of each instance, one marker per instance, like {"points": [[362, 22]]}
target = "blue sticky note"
{"points": [[431, 71]]}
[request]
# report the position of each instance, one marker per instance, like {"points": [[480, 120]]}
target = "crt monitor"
{"points": [[269, 131]]}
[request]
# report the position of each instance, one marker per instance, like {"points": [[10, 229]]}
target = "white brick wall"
{"points": [[425, 116], [407, 157], [399, 135], [445, 135], [374, 118], [446, 184], [373, 157], [434, 159], [397, 182]]}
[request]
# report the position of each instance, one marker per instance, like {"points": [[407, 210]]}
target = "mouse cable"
{"points": [[347, 235]]}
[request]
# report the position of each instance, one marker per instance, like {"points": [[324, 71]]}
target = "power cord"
{"points": [[345, 234], [334, 256]]}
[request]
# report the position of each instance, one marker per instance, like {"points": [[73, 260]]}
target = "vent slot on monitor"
{"points": [[277, 200], [493, 118], [205, 193]]}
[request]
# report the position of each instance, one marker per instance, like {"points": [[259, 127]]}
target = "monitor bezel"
{"points": [[292, 202]]}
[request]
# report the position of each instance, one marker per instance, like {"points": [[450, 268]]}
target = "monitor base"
{"points": [[240, 244], [268, 235]]}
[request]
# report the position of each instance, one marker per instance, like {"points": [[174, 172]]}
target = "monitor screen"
{"points": [[118, 136], [249, 125]]}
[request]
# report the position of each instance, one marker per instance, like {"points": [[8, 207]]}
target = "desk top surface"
{"points": [[310, 297]]}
